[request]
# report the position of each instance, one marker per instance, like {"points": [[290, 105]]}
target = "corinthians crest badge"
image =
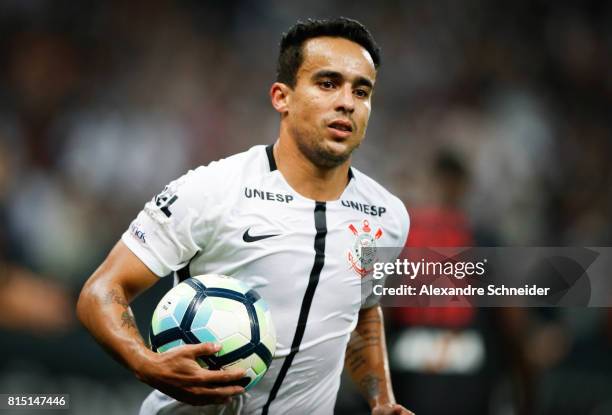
{"points": [[363, 254]]}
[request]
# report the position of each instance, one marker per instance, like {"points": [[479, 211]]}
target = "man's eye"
{"points": [[326, 84], [361, 93]]}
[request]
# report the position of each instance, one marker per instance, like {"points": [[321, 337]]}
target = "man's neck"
{"points": [[310, 181]]}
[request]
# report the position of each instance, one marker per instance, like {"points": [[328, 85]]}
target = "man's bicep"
{"points": [[123, 268]]}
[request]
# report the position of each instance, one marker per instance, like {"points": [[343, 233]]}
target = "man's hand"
{"points": [[177, 374], [104, 310], [390, 409]]}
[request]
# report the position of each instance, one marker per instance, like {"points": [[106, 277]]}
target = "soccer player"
{"points": [[288, 219]]}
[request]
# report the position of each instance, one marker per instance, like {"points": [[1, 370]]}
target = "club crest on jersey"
{"points": [[166, 198], [363, 254]]}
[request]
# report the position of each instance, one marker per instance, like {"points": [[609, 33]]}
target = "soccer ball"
{"points": [[219, 309]]}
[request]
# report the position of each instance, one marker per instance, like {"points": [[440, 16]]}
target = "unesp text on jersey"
{"points": [[263, 195], [367, 209]]}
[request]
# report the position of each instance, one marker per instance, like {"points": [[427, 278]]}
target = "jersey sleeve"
{"points": [[369, 299], [171, 228]]}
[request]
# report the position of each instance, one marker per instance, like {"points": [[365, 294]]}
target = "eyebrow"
{"points": [[359, 80]]}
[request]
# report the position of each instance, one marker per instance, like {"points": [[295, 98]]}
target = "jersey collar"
{"points": [[272, 161]]}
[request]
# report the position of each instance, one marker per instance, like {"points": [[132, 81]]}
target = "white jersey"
{"points": [[239, 217]]}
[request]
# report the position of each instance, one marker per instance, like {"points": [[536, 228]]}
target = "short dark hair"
{"points": [[291, 57]]}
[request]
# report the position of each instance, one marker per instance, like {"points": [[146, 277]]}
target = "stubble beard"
{"points": [[317, 154]]}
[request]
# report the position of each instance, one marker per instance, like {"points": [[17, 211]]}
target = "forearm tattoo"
{"points": [[127, 318], [359, 342], [113, 296], [370, 385], [361, 358]]}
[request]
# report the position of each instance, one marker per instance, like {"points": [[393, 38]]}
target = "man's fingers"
{"points": [[400, 410], [218, 392], [391, 409], [221, 376], [201, 349]]}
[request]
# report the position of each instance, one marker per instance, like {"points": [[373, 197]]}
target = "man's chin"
{"points": [[338, 148], [333, 154], [326, 153]]}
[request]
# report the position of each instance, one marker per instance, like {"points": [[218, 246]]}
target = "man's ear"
{"points": [[280, 96]]}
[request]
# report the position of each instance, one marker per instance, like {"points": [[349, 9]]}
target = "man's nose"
{"points": [[345, 100]]}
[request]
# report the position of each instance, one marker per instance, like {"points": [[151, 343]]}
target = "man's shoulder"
{"points": [[370, 189], [253, 159], [214, 179], [232, 169]]}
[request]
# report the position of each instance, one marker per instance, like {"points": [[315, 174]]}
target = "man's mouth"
{"points": [[341, 125]]}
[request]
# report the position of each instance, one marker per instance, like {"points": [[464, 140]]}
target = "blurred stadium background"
{"points": [[103, 103]]}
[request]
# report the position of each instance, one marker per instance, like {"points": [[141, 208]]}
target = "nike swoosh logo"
{"points": [[254, 238]]}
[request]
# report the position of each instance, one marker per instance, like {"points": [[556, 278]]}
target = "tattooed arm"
{"points": [[104, 310], [366, 363]]}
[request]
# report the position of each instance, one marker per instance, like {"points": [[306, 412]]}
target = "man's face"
{"points": [[329, 108]]}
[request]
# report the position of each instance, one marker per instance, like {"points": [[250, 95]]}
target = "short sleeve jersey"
{"points": [[239, 217]]}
